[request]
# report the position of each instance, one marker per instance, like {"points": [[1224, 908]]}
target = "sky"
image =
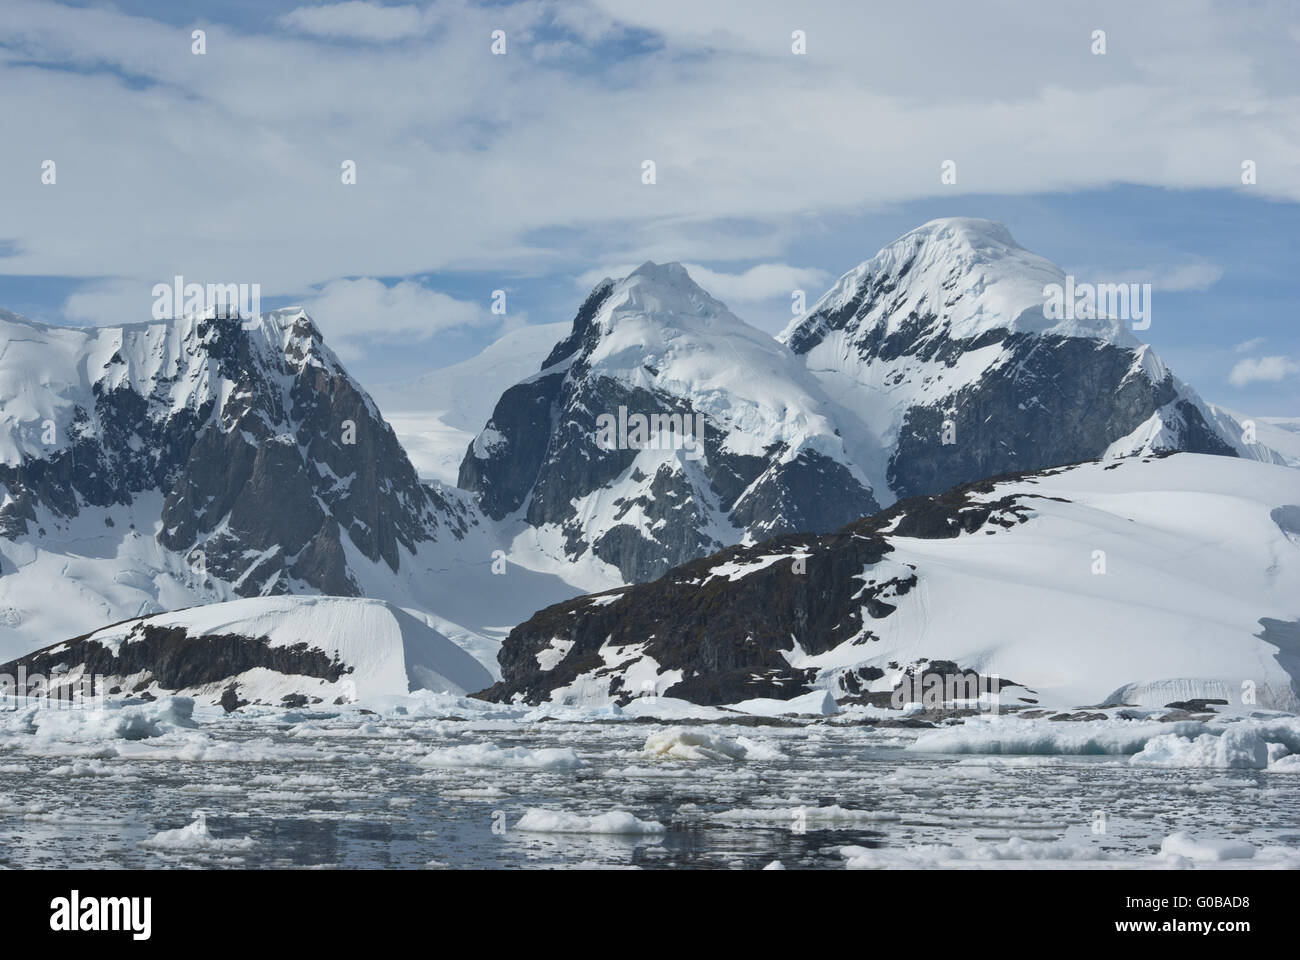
{"points": [[523, 171]]}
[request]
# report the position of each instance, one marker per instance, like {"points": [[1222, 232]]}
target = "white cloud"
{"points": [[1248, 345], [1256, 369], [353, 312], [106, 302], [1189, 277], [589, 278], [228, 165], [766, 281], [358, 20], [1169, 278]]}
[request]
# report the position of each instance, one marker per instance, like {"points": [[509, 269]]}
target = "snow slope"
{"points": [[1194, 558], [380, 650], [436, 415], [1166, 578], [1278, 434], [659, 330]]}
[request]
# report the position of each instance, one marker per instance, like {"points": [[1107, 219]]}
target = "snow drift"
{"points": [[268, 650]]}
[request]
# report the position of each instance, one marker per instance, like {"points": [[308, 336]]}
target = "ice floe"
{"points": [[490, 755], [1184, 844], [614, 822], [680, 743], [195, 836]]}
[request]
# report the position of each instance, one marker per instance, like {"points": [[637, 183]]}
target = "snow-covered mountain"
{"points": [[1143, 580], [932, 364], [153, 466], [266, 451], [1279, 435], [737, 440], [940, 345], [272, 650]]}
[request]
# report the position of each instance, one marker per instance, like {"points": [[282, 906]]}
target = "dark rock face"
{"points": [[549, 456], [230, 701], [1198, 705], [1052, 400], [176, 660], [262, 479], [728, 637], [523, 419]]}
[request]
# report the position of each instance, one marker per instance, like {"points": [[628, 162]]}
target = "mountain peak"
{"points": [[672, 272], [968, 232], [660, 292], [955, 278], [738, 439]]}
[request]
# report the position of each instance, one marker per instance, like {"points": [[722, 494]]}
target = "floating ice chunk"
{"points": [[819, 703], [1014, 735], [757, 750], [1283, 731], [1287, 764], [614, 822], [671, 708], [1016, 848], [1239, 747], [679, 743], [1184, 844], [578, 713], [490, 755], [113, 722], [195, 836], [775, 865], [85, 768], [198, 747]]}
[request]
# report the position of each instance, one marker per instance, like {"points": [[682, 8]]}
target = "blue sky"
{"points": [[523, 172]]}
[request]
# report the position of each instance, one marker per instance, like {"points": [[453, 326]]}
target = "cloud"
{"points": [[228, 165], [357, 20], [765, 281], [1246, 346], [104, 302], [1169, 278], [1256, 369], [1190, 277], [353, 312], [586, 280]]}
